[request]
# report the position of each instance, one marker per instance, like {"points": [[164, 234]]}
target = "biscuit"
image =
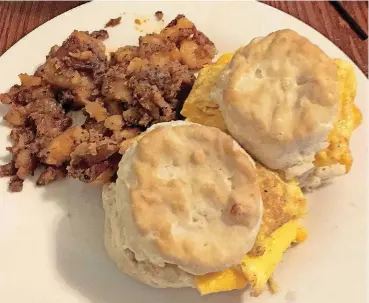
{"points": [[144, 271], [187, 195], [279, 99]]}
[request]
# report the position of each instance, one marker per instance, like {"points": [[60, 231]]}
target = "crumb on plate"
{"points": [[113, 22], [159, 15]]}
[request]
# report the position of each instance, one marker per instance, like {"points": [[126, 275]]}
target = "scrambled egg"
{"points": [[338, 151], [200, 109], [259, 269], [284, 204], [226, 280]]}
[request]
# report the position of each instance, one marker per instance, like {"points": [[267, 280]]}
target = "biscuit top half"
{"points": [[189, 197], [279, 98]]}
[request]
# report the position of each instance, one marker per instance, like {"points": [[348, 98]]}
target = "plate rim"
{"points": [[94, 2]]}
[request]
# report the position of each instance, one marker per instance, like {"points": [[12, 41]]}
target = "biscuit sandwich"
{"points": [[190, 208], [286, 102]]}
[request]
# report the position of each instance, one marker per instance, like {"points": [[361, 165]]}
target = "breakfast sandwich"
{"points": [[286, 102], [203, 214], [200, 107]]}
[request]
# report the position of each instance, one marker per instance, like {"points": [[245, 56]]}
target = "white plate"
{"points": [[51, 237]]}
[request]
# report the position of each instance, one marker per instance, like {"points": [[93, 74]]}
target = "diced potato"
{"points": [[62, 146], [104, 177], [96, 111], [25, 162], [29, 81], [93, 153], [128, 142], [114, 122], [16, 116]]}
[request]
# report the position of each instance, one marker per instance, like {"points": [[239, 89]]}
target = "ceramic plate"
{"points": [[51, 238]]}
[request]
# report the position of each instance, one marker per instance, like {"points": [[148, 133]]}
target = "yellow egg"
{"points": [[284, 204], [225, 58], [258, 270], [199, 108], [226, 280], [338, 151]]}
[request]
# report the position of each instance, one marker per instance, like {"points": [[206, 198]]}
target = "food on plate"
{"points": [[286, 102], [284, 204], [186, 205], [159, 15], [101, 34], [180, 208], [77, 69], [37, 118], [199, 107], [193, 216], [113, 22], [140, 86], [349, 117]]}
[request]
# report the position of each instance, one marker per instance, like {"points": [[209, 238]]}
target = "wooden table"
{"points": [[19, 18]]}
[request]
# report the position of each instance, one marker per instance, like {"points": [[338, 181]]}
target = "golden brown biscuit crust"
{"points": [[195, 190], [279, 98]]}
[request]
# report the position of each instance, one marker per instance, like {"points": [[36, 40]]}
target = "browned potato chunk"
{"points": [[96, 111], [8, 170], [127, 143], [29, 81], [194, 55], [51, 174], [125, 54], [62, 146], [5, 99], [104, 177], [92, 153], [16, 116], [126, 133], [114, 122], [15, 184], [25, 162]]}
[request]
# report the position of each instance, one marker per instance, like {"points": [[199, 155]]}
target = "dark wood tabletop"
{"points": [[19, 18]]}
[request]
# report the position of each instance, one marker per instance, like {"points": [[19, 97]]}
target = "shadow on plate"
{"points": [[3, 111], [85, 266]]}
